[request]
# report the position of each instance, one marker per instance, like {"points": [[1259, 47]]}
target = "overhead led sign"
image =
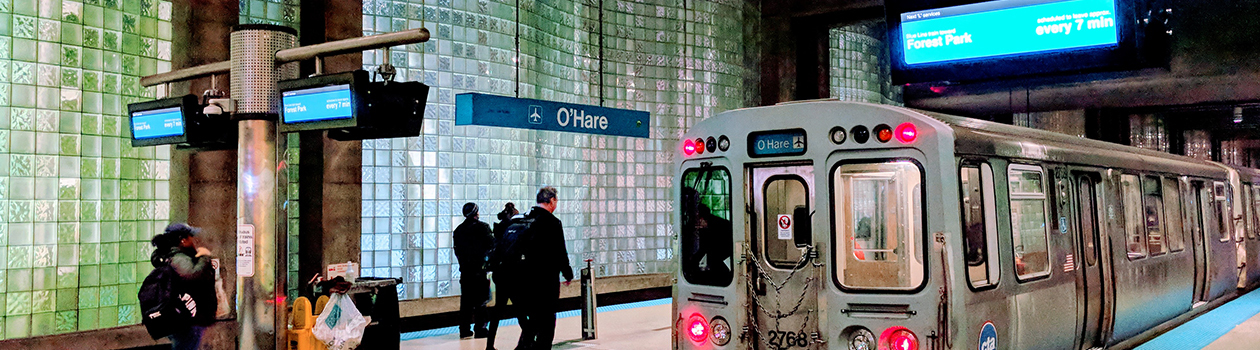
{"points": [[777, 143], [316, 104], [157, 123], [1005, 28]]}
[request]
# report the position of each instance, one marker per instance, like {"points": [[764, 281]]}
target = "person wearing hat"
{"points": [[473, 243], [178, 247]]}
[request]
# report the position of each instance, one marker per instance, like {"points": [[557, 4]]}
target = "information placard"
{"points": [[245, 250], [1005, 28]]}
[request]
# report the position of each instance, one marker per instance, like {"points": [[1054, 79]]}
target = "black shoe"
{"points": [[465, 334]]}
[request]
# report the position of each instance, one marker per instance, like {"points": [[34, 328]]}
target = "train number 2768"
{"points": [[784, 340]]}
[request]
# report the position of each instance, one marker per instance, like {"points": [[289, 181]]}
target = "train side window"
{"points": [[1088, 218], [1248, 213], [1030, 240], [1220, 206], [1255, 211], [878, 225], [1174, 231], [1134, 227], [1191, 197], [707, 242], [1153, 202], [979, 224]]}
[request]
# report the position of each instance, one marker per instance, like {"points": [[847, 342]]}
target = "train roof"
{"points": [[983, 138]]}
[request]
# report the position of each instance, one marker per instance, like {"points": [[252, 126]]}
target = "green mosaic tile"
{"points": [[43, 301], [17, 326], [17, 303], [67, 321], [87, 319], [89, 298], [43, 323], [108, 316], [68, 277]]}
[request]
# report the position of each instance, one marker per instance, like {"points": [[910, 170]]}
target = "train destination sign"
{"points": [[1006, 28], [156, 123], [321, 103], [526, 113], [777, 143]]}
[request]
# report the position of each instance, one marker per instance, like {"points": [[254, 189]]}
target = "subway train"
{"points": [[844, 225]]}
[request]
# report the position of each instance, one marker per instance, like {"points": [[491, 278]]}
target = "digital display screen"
{"points": [[316, 104], [157, 123], [1006, 27], [776, 143]]}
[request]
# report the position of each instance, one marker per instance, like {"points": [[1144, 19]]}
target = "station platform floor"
{"points": [[639, 325], [1235, 325]]}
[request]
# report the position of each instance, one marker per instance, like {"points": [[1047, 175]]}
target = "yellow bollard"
{"points": [[300, 336]]}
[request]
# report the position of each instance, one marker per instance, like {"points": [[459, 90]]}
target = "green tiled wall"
{"points": [[277, 12], [77, 202]]}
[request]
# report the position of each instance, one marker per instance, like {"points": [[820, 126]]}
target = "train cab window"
{"points": [[979, 224], [1221, 210], [706, 227], [1134, 223], [1153, 215], [878, 225], [1029, 236], [1174, 232]]}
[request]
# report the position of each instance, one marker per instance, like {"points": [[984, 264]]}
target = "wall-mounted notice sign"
{"points": [[1006, 27], [245, 250], [525, 113]]}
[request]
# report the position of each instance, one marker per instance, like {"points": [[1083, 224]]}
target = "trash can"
{"points": [[378, 298]]}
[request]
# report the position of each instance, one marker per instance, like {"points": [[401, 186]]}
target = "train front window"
{"points": [[706, 227], [1028, 221], [878, 225]]}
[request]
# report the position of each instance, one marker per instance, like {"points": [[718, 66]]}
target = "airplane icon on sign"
{"points": [[535, 114]]}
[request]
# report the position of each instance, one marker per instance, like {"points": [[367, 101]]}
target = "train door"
{"points": [[1191, 192], [1091, 287], [785, 282]]}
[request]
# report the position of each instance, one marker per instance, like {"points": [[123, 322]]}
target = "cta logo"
{"points": [[988, 336]]}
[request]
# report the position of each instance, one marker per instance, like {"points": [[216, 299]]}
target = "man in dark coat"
{"points": [[473, 242], [546, 258]]}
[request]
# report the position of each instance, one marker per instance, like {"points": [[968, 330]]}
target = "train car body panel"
{"points": [[966, 234]]}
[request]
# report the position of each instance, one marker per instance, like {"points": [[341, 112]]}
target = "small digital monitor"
{"points": [[161, 122], [333, 101], [316, 104]]}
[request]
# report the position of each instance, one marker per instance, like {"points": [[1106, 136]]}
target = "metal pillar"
{"points": [[261, 265], [588, 302]]}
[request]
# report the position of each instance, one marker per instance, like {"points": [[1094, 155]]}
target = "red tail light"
{"points": [[689, 147], [898, 338], [907, 133], [696, 328]]}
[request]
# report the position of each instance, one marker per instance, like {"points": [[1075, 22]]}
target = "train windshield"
{"points": [[706, 226], [878, 223]]}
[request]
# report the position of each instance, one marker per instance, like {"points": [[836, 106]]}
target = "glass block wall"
{"points": [[679, 60], [860, 64], [78, 203], [278, 12]]}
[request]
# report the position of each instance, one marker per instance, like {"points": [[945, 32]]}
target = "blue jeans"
{"points": [[188, 339]]}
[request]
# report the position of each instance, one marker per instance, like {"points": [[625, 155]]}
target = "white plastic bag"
{"points": [[340, 326], [224, 311]]}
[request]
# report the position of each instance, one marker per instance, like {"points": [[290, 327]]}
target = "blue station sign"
{"points": [[1006, 27], [777, 143], [526, 113]]}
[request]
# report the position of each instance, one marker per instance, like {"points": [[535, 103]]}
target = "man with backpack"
{"points": [[547, 256], [473, 243], [177, 299]]}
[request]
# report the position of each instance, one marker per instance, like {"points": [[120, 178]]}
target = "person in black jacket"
{"points": [[505, 218], [473, 242], [179, 248], [546, 258]]}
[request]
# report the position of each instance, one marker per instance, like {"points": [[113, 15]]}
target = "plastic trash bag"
{"points": [[340, 326], [224, 310]]}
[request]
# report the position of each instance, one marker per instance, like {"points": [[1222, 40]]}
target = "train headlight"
{"points": [[697, 329], [907, 133], [898, 338], [861, 134], [710, 144], [724, 143], [862, 339], [720, 331], [838, 135]]}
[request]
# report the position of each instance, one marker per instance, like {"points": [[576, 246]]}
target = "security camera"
{"points": [[212, 109]]}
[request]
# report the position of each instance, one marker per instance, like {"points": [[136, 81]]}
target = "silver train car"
{"points": [[841, 225]]}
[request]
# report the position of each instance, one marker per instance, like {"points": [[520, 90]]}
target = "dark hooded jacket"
{"points": [[196, 277], [473, 243]]}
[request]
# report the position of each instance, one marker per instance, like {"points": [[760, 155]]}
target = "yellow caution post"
{"points": [[300, 336]]}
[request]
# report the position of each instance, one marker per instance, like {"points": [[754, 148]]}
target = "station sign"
{"points": [[526, 113], [1007, 27]]}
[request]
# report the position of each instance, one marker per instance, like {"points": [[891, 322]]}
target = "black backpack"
{"points": [[510, 247], [161, 309]]}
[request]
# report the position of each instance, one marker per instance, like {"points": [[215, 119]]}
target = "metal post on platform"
{"points": [[260, 278], [588, 302]]}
